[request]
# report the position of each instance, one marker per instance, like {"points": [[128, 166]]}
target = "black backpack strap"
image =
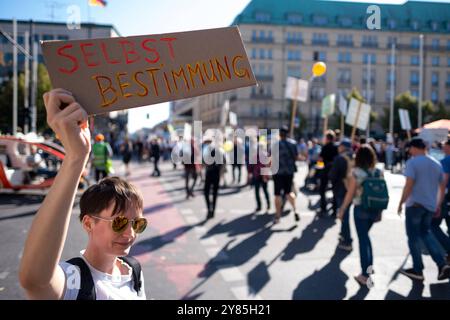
{"points": [[136, 271], [87, 288]]}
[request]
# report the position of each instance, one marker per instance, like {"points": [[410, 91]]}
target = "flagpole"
{"points": [[391, 111], [15, 89], [293, 111], [419, 120], [368, 91]]}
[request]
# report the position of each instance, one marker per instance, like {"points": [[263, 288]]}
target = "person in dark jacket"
{"points": [[338, 175], [327, 155]]}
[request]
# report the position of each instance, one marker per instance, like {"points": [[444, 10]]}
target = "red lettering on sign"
{"points": [[107, 58], [128, 52], [86, 54], [169, 44], [68, 56], [150, 49]]}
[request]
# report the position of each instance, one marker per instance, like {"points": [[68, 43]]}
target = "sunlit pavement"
{"points": [[238, 254]]}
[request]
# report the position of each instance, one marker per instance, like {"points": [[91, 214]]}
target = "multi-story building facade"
{"points": [[285, 38], [38, 31]]}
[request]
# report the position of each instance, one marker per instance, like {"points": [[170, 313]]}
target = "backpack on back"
{"points": [[87, 287], [375, 195]]}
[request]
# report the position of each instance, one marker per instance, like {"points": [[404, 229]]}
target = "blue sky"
{"points": [[135, 17]]}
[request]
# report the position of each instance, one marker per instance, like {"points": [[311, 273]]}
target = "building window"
{"points": [[434, 96], [391, 40], [369, 41], [415, 43], [414, 60], [294, 37], [448, 80], [344, 75], [435, 44], [415, 93], [320, 20], [262, 17], [262, 53], [317, 93], [294, 18], [345, 40], [4, 39], [447, 98], [344, 57], [448, 61], [392, 24], [293, 71], [369, 95], [414, 78], [293, 55], [391, 59], [372, 76], [319, 56], [434, 25], [63, 37], [253, 53], [390, 77], [320, 39], [254, 35], [47, 37], [448, 44], [415, 25], [435, 61], [345, 21], [434, 78], [269, 54], [20, 40], [371, 56]]}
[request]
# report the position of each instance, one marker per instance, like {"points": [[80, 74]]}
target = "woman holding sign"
{"points": [[110, 213]]}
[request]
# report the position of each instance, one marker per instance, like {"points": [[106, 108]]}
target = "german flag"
{"points": [[97, 3]]}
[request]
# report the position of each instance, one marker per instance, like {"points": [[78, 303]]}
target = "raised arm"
{"points": [[39, 273]]}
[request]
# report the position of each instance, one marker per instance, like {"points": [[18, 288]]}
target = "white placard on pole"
{"points": [[224, 114], [187, 132], [404, 119], [342, 105], [233, 119], [296, 89], [364, 114]]}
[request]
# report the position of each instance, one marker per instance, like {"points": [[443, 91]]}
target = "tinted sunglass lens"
{"points": [[139, 225], [119, 223]]}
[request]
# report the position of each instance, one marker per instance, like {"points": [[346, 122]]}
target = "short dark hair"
{"points": [[417, 143], [365, 157], [330, 135], [112, 189]]}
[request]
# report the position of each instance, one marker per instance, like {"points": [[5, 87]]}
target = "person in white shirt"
{"points": [[110, 213]]}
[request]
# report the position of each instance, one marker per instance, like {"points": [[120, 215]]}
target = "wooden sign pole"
{"points": [[293, 111]]}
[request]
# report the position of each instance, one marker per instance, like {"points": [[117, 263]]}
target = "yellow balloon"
{"points": [[319, 68], [228, 146]]}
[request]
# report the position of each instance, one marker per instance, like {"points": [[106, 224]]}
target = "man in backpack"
{"points": [[339, 172], [110, 213], [423, 177]]}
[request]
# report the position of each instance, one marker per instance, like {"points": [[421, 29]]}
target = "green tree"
{"points": [[406, 101], [6, 100]]}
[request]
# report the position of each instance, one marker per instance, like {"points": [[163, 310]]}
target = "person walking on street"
{"points": [[101, 152], [365, 161], [339, 176], [126, 149], [189, 155], [259, 179], [238, 160], [155, 151], [444, 239], [214, 160], [284, 157], [423, 177], [110, 213], [327, 155]]}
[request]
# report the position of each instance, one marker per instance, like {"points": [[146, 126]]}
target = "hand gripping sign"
{"points": [[125, 72]]}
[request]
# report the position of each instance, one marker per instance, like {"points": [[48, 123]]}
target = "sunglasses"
{"points": [[120, 223]]}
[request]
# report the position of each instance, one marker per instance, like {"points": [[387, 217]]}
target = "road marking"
{"points": [[208, 242], [242, 293], [192, 219], [230, 273], [186, 211]]}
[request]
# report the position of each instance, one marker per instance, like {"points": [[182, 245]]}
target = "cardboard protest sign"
{"points": [[126, 72], [328, 105], [359, 117], [405, 122], [296, 89], [342, 105]]}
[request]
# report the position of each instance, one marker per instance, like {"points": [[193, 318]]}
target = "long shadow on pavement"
{"points": [[235, 256], [327, 283], [311, 235]]}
